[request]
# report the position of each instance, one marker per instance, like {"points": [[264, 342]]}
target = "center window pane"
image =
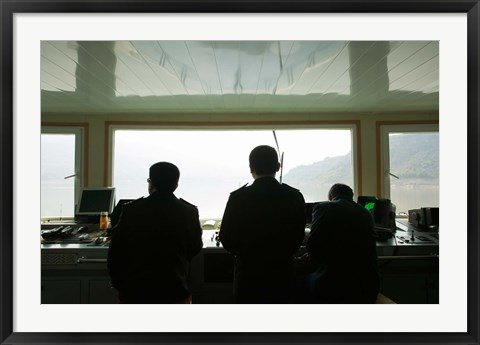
{"points": [[213, 163]]}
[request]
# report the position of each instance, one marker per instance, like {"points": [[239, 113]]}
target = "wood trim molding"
{"points": [[359, 156], [378, 140], [85, 127], [106, 144], [228, 123]]}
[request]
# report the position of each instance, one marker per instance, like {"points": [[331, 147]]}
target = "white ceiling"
{"points": [[238, 76]]}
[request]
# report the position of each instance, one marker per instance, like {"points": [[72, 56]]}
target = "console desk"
{"points": [[77, 272]]}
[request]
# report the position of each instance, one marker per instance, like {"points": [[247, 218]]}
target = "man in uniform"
{"points": [[263, 226], [153, 243], [342, 251]]}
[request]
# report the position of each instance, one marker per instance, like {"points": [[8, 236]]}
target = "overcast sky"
{"points": [[221, 152]]}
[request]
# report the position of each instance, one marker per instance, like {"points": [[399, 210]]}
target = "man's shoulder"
{"points": [[133, 203], [321, 205], [345, 207], [292, 193], [288, 187], [187, 205], [242, 190], [133, 207]]}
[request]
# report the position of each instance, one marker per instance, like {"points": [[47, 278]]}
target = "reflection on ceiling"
{"points": [[238, 76]]}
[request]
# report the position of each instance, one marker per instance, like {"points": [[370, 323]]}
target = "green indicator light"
{"points": [[370, 206]]}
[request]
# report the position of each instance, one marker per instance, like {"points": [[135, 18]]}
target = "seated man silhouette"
{"points": [[342, 251], [263, 226], [153, 243]]}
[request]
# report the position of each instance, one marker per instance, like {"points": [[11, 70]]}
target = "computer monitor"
{"points": [[93, 201], [368, 202], [383, 216]]}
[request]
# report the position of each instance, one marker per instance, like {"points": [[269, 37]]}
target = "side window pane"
{"points": [[414, 159], [213, 163], [57, 162]]}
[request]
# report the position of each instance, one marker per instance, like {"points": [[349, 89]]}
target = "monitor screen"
{"points": [[380, 209], [368, 202], [95, 200]]}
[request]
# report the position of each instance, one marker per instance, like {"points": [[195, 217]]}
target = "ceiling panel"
{"points": [[415, 79], [337, 67], [316, 64], [238, 76]]}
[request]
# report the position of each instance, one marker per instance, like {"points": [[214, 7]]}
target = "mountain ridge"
{"points": [[412, 165]]}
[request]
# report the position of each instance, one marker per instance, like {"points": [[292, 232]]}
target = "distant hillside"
{"points": [[407, 162], [318, 177]]}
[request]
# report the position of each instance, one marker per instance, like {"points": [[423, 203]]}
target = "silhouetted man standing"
{"points": [[153, 243], [263, 226]]}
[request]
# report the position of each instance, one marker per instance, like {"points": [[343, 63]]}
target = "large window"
{"points": [[60, 170], [214, 163], [411, 166]]}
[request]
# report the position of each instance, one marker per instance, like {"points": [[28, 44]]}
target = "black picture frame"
{"points": [[10, 7]]}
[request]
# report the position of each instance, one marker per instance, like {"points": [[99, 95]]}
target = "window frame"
{"points": [[353, 126], [385, 129], [80, 151]]}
